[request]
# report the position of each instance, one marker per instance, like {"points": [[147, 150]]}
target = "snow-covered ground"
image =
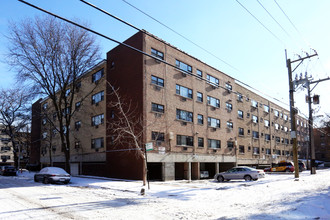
{"points": [[277, 196]]}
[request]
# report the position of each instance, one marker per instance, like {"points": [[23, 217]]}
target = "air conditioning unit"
{"points": [[183, 74], [158, 115], [213, 108], [157, 88], [183, 99], [214, 129], [184, 123]]}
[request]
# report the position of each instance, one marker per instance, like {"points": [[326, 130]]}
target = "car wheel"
{"points": [[248, 178], [255, 179], [35, 179], [46, 180], [220, 178]]}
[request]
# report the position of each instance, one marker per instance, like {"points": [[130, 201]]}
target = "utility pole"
{"points": [[311, 133], [293, 110]]}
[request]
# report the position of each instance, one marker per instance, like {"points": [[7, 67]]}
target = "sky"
{"points": [[248, 38], [277, 196]]}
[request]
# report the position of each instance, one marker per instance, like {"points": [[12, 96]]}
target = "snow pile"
{"points": [[274, 197]]}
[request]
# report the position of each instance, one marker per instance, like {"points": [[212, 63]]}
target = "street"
{"points": [[273, 197]]}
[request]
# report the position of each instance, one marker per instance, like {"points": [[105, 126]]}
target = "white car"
{"points": [[240, 172], [52, 175]]}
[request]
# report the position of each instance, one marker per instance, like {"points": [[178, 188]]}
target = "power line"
{"points": [[273, 18], [142, 52], [261, 23], [308, 44], [171, 29]]}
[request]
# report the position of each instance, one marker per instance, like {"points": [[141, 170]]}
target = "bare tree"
{"points": [[52, 56], [15, 114], [127, 127]]}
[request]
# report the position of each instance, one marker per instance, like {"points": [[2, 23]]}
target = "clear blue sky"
{"points": [[224, 28]]}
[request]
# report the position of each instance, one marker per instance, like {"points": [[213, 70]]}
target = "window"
{"points": [[97, 120], [240, 114], [267, 137], [213, 101], [157, 136], [200, 119], [230, 125], [241, 149], [286, 141], [98, 97], [276, 113], [157, 107], [229, 87], [183, 66], [44, 135], [277, 139], [268, 152], [157, 53], [77, 105], [266, 123], [255, 134], [66, 111], [157, 81], [76, 145], [285, 117], [200, 142], [199, 97], [183, 140], [98, 75], [229, 106], [78, 85], [241, 131], [239, 97], [183, 91], [77, 125], [248, 115], [281, 115], [97, 143], [184, 115], [214, 144], [286, 129], [44, 121], [254, 103], [256, 150], [230, 145], [277, 126], [212, 79], [67, 92], [213, 122], [254, 119], [199, 73], [266, 108], [45, 106]]}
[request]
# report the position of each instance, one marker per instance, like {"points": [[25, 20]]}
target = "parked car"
{"points": [[282, 166], [52, 175], [8, 170], [240, 172], [302, 165]]}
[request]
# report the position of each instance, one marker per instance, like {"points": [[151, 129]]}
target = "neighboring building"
{"points": [[322, 143], [6, 148], [22, 143], [200, 120]]}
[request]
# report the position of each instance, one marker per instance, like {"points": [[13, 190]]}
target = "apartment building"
{"points": [[322, 143], [198, 120], [87, 128], [6, 148]]}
